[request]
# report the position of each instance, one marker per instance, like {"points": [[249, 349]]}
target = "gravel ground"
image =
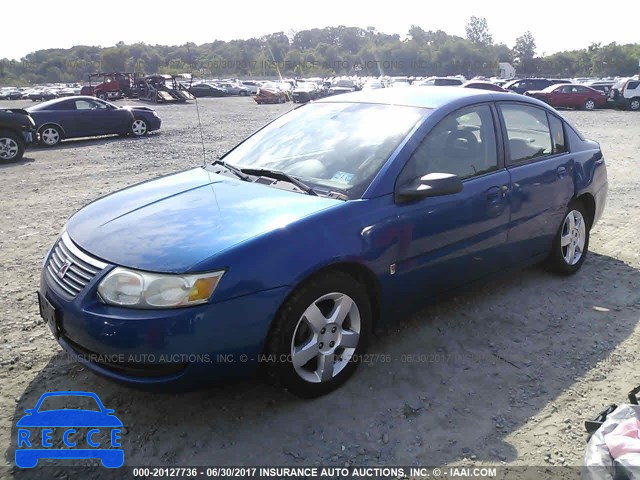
{"points": [[503, 374]]}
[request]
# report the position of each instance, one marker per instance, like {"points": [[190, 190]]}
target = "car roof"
{"points": [[423, 97]]}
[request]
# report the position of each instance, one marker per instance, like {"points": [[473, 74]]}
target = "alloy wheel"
{"points": [[573, 237], [326, 337], [139, 127], [8, 148], [50, 136]]}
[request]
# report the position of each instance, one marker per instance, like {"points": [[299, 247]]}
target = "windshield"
{"points": [[343, 83], [551, 88], [330, 146]]}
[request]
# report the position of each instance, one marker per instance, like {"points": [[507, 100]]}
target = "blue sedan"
{"points": [[84, 116], [335, 218]]}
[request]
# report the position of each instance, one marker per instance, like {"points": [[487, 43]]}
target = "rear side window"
{"points": [[557, 134], [528, 132], [632, 85]]}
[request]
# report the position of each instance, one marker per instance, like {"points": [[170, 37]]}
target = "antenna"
{"points": [[204, 153]]}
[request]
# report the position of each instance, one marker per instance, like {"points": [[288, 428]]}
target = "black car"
{"points": [[305, 92], [207, 90], [342, 86], [525, 84], [17, 131], [10, 94]]}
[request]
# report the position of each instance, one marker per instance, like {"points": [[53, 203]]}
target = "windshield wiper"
{"points": [[280, 175], [233, 169]]}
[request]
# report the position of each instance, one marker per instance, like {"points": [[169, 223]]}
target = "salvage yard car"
{"points": [[17, 132], [336, 218], [570, 96], [86, 116]]}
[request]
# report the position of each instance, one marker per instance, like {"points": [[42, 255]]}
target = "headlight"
{"points": [[130, 288]]}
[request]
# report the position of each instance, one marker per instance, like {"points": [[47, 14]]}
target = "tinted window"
{"points": [[68, 105], [463, 143], [633, 85], [527, 132], [557, 134]]}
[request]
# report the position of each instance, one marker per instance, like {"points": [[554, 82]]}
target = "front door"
{"points": [[453, 239]]}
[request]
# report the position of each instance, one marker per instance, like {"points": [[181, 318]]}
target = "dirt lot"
{"points": [[516, 366]]}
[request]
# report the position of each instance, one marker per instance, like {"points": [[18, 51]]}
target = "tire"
{"points": [[574, 234], [138, 128], [304, 332], [634, 104], [102, 96], [590, 104], [243, 93], [11, 146], [50, 135]]}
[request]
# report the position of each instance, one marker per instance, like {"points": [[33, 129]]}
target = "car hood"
{"points": [[69, 418], [178, 221]]}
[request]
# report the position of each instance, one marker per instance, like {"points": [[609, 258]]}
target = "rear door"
{"points": [[542, 173]]}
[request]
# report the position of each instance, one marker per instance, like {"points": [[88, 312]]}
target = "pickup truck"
{"points": [[17, 132]]}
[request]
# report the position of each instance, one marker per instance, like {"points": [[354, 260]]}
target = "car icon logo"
{"points": [[81, 433], [62, 271]]}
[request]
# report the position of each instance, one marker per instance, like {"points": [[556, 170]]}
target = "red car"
{"points": [[570, 96], [484, 86]]}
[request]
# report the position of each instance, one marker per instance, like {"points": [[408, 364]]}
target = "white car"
{"points": [[626, 94]]}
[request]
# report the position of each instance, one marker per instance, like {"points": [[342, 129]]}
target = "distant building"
{"points": [[506, 70]]}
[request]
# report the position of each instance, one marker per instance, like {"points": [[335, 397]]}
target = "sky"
{"points": [[556, 25]]}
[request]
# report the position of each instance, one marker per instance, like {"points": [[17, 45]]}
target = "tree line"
{"points": [[327, 51]]}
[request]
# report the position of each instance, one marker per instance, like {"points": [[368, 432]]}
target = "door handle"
{"points": [[496, 193], [561, 171]]}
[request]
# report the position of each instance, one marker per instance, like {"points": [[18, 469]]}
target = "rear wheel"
{"points": [[589, 104], [11, 146], [571, 244], [50, 135], [319, 335]]}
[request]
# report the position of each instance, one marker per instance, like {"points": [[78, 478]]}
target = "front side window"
{"points": [[85, 105], [528, 133], [463, 144]]}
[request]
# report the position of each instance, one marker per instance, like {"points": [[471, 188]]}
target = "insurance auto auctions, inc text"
{"points": [[375, 472]]}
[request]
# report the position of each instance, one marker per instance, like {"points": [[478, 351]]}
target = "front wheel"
{"points": [[138, 128], [634, 104], [589, 104], [319, 335], [571, 243], [11, 147], [50, 135]]}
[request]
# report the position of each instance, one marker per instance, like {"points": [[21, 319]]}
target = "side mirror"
{"points": [[430, 185]]}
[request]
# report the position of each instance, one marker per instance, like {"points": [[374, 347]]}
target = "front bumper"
{"points": [[173, 348]]}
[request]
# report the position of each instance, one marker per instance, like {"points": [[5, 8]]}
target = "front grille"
{"points": [[69, 268]]}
